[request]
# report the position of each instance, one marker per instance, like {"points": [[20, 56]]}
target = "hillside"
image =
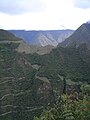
{"points": [[81, 35], [27, 48], [22, 93], [29, 82], [72, 63], [7, 36], [43, 38]]}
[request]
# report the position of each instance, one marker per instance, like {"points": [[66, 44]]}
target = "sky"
{"points": [[43, 14]]}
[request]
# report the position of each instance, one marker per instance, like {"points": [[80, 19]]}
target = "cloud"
{"points": [[84, 4], [21, 6], [43, 14]]}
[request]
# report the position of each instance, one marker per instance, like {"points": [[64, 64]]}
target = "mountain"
{"points": [[30, 82], [7, 36], [80, 36], [43, 38]]}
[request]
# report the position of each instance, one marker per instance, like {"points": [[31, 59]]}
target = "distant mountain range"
{"points": [[43, 38], [80, 36], [8, 38]]}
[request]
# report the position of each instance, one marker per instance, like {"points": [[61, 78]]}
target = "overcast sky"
{"points": [[43, 14]]}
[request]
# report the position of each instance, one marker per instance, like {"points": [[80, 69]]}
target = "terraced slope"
{"points": [[28, 82], [22, 93]]}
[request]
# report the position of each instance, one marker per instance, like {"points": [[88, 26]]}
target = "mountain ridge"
{"points": [[80, 36], [42, 37], [7, 36]]}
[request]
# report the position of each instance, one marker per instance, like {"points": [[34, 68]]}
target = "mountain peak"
{"points": [[80, 36], [88, 22]]}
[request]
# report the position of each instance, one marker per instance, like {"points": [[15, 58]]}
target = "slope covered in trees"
{"points": [[29, 82]]}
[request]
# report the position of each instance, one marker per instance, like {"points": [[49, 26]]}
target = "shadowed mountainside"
{"points": [[80, 36]]}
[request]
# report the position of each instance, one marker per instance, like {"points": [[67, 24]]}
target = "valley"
{"points": [[43, 38], [33, 77]]}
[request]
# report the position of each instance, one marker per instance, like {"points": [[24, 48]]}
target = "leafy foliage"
{"points": [[68, 108]]}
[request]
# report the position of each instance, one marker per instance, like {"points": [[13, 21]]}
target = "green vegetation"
{"points": [[31, 82], [72, 63], [80, 36], [7, 36], [20, 90], [69, 107]]}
